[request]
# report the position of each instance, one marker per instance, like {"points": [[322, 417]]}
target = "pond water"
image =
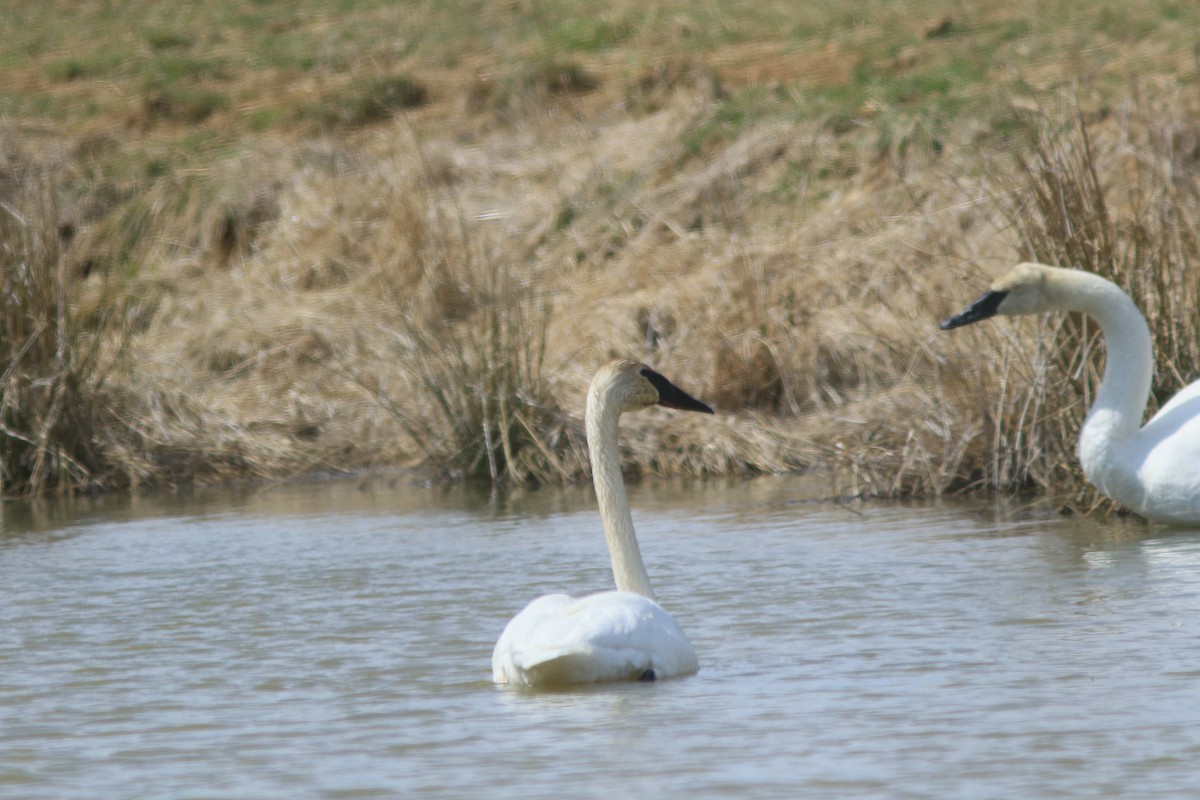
{"points": [[333, 641]]}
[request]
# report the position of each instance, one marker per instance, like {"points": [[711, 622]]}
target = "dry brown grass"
{"points": [[60, 399], [777, 228]]}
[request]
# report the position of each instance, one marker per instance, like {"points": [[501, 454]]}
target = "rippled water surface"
{"points": [[330, 641]]}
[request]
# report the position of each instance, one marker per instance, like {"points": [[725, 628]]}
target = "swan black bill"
{"points": [[986, 306], [671, 396]]}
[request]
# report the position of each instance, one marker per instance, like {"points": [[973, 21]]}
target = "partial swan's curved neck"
{"points": [[601, 418], [1128, 363]]}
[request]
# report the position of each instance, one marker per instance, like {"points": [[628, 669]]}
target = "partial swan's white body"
{"points": [[1152, 469], [610, 636]]}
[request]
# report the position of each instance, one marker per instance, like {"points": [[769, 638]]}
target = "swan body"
{"points": [[609, 636], [1153, 469]]}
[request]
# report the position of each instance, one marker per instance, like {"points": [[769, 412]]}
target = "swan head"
{"points": [[1024, 289], [636, 386]]}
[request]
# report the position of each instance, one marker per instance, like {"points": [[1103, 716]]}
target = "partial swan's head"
{"points": [[1021, 290], [636, 386]]}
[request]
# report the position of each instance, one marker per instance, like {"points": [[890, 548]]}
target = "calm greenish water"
{"points": [[323, 641]]}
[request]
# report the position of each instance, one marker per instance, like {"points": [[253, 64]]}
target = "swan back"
{"points": [[610, 636]]}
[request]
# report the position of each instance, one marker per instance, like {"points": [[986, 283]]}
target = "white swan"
{"points": [[1155, 469], [609, 636]]}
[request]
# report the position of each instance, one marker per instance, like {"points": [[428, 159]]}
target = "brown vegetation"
{"points": [[425, 272]]}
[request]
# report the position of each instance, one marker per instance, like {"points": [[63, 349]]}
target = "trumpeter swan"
{"points": [[1155, 469], [609, 636]]}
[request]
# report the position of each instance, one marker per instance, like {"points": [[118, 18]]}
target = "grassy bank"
{"points": [[262, 241]]}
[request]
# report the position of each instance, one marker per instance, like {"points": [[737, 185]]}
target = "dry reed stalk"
{"points": [[55, 392], [467, 337]]}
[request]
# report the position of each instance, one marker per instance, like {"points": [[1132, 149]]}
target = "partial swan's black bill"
{"points": [[671, 396], [986, 306]]}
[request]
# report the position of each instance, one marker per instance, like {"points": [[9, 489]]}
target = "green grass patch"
{"points": [[373, 101], [559, 77], [185, 104], [264, 119], [732, 115], [589, 35], [169, 39], [104, 62], [168, 68]]}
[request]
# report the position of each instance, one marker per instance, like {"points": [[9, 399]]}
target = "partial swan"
{"points": [[1152, 469], [609, 636]]}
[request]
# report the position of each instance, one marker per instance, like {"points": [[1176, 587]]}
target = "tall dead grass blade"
{"points": [[54, 408]]}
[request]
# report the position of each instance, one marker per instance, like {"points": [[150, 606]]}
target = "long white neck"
{"points": [[601, 419], [1116, 415]]}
